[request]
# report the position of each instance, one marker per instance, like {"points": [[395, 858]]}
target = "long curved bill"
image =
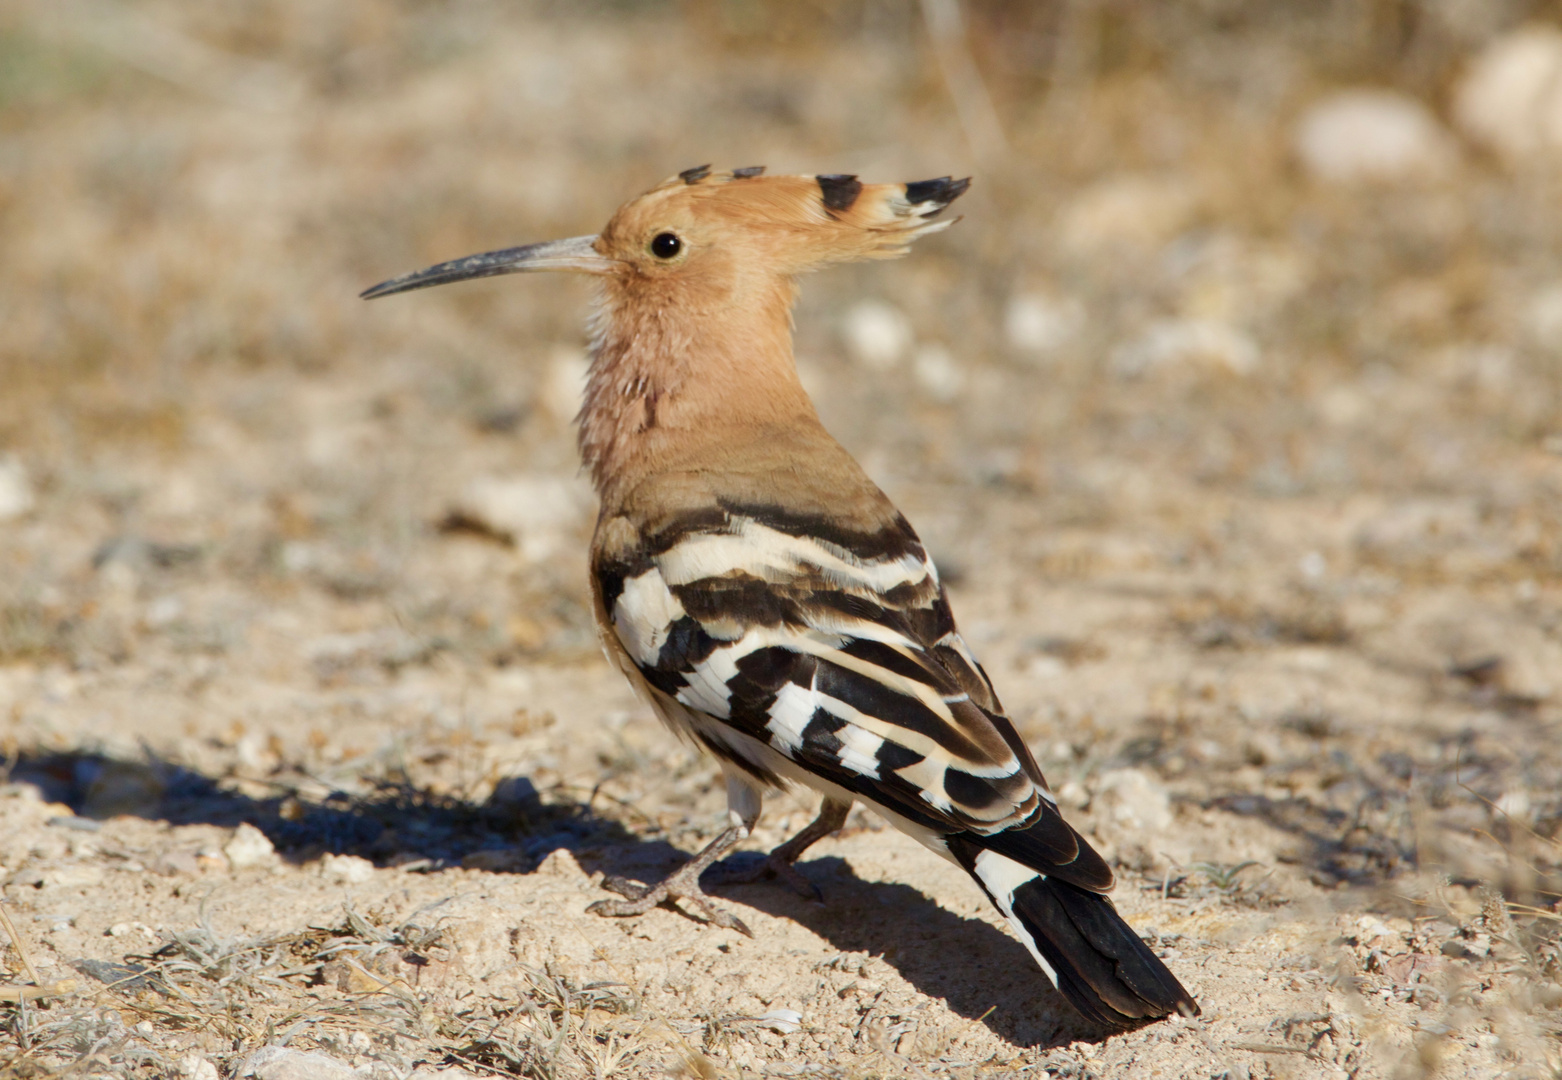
{"points": [[574, 255]]}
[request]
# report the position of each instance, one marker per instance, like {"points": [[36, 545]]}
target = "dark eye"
{"points": [[666, 245]]}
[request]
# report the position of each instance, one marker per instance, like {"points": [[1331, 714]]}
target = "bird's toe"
{"points": [[642, 898]]}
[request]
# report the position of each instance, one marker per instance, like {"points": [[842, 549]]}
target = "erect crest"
{"points": [[796, 222]]}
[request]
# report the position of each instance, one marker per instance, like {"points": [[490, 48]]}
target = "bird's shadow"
{"points": [[978, 971], [974, 968]]}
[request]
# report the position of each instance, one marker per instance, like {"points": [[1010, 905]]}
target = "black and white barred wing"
{"points": [[841, 656], [834, 659]]}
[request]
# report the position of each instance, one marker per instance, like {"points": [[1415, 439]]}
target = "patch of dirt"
{"points": [[1247, 485]]}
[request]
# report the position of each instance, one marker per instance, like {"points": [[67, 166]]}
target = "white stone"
{"points": [[1510, 98], [194, 1066], [1344, 404], [1126, 212], [164, 611], [878, 334], [1134, 799], [248, 847], [1515, 804], [1073, 793], [16, 490], [254, 752], [347, 869], [1038, 325], [782, 1021], [1313, 565], [538, 511], [937, 373], [1043, 666], [1371, 135], [1530, 669], [1543, 317], [299, 556], [1175, 342], [72, 877], [281, 1063]]}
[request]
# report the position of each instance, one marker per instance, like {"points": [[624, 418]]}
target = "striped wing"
{"points": [[839, 652]]}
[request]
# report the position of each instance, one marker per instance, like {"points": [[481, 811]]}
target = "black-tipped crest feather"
{"points": [[839, 190], [941, 192]]}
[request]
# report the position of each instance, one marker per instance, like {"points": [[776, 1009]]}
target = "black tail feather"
{"points": [[1101, 965]]}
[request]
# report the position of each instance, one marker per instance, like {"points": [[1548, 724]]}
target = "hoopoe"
{"points": [[767, 599]]}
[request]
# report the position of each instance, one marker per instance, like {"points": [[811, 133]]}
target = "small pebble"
{"points": [[937, 373], [16, 491], [194, 1066], [1038, 325], [878, 334], [249, 847], [347, 869], [1510, 99], [1371, 135]]}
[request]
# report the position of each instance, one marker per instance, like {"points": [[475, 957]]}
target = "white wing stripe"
{"points": [[707, 683], [644, 614], [777, 556], [789, 715], [927, 776], [859, 747]]}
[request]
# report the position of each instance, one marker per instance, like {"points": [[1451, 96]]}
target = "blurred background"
{"points": [[1231, 406], [1260, 248]]}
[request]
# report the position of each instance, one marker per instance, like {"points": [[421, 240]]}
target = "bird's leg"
{"points": [[684, 884], [781, 862]]}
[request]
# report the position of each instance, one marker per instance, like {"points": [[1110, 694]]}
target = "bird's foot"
{"points": [[732, 872], [782, 862], [682, 885]]}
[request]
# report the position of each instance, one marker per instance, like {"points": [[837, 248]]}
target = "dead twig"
{"points": [[973, 103], [21, 950], [12, 993]]}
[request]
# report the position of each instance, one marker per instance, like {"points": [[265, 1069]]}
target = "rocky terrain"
{"points": [[1230, 412]]}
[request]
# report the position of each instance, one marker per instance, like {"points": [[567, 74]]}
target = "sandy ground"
{"points": [[1256, 523]]}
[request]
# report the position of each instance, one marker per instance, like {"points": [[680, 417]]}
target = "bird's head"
{"points": [[708, 233]]}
